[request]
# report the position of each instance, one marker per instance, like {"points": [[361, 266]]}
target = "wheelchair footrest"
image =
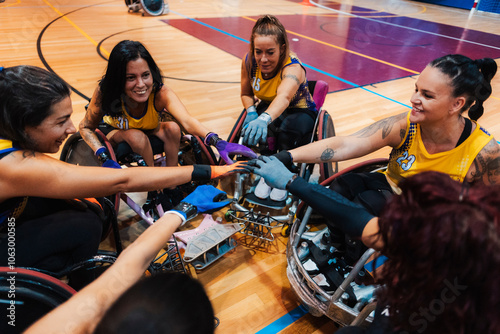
{"points": [[203, 249], [268, 203]]}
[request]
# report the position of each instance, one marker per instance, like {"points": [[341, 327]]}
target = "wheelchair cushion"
{"points": [[319, 92], [123, 149]]}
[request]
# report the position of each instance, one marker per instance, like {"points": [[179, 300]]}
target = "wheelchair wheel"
{"points": [[35, 295], [326, 130], [76, 151], [236, 131], [153, 7]]}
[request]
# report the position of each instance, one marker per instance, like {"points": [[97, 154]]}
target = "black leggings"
{"points": [[55, 241], [372, 191], [292, 129]]}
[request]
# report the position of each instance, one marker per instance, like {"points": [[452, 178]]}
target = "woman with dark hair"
{"points": [[37, 204], [442, 241], [285, 113], [434, 135], [130, 98]]}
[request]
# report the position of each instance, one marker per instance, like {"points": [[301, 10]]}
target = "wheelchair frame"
{"points": [[260, 225], [206, 243], [310, 294]]}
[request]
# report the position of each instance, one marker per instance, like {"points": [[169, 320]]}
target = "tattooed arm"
{"points": [[486, 166], [90, 122], [386, 132], [292, 76]]}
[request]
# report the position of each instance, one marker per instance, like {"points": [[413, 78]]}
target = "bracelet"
{"points": [[291, 180], [266, 118], [100, 150], [208, 138]]}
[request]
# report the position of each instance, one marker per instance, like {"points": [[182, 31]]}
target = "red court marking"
{"points": [[328, 36]]}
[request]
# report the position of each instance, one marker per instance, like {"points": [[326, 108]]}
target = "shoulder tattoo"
{"points": [[487, 164], [386, 125], [293, 77]]}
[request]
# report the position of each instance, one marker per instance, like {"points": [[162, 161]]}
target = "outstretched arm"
{"points": [[352, 218], [82, 312], [166, 98], [28, 173], [386, 132]]}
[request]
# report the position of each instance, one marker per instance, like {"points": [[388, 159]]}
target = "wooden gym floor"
{"points": [[369, 51]]}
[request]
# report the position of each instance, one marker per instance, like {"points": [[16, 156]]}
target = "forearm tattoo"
{"points": [[386, 125], [293, 77], [327, 154], [487, 164]]}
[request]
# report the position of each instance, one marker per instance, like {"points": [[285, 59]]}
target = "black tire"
{"points": [[36, 294], [326, 130], [153, 7]]}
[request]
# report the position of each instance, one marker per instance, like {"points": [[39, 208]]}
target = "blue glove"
{"points": [[251, 115], [105, 159], [204, 198], [272, 170], [256, 130]]}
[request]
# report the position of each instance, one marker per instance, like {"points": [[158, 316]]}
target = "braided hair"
{"points": [[471, 78]]}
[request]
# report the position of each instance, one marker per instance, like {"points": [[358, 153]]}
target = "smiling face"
{"points": [[51, 133], [432, 100], [267, 53], [138, 80]]}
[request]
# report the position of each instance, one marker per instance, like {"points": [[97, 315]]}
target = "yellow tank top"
{"points": [[149, 120], [411, 157], [266, 89]]}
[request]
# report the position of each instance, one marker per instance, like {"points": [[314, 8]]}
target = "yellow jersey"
{"points": [[411, 156], [266, 89], [149, 120]]}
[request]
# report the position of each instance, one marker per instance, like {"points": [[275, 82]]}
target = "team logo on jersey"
{"points": [[405, 161], [256, 84]]}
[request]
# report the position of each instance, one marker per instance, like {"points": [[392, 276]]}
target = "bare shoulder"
{"points": [[486, 165]]}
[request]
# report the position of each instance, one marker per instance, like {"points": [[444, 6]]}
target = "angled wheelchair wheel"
{"points": [[326, 130], [34, 295], [153, 7], [76, 151]]}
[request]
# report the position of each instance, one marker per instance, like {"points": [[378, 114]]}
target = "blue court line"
{"points": [[305, 65], [284, 321]]}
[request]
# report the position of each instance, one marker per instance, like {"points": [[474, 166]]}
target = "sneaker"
{"points": [[262, 190], [278, 194]]}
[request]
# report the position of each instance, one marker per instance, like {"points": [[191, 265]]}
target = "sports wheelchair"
{"points": [[342, 291], [259, 225], [150, 7]]}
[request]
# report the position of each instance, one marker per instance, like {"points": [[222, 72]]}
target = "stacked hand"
{"points": [[204, 198], [256, 130], [205, 172], [225, 148], [272, 170]]}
